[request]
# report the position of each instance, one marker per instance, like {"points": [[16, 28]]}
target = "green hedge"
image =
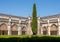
{"points": [[30, 39]]}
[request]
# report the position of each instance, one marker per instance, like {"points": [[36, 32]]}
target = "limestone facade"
{"points": [[14, 25]]}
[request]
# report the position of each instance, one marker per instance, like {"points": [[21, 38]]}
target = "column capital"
{"points": [[19, 20], [58, 19], [29, 18], [38, 18], [48, 21]]}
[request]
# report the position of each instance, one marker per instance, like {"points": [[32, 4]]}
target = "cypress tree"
{"points": [[34, 20]]}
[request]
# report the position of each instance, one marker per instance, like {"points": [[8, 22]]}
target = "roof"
{"points": [[1, 14], [45, 17], [51, 16]]}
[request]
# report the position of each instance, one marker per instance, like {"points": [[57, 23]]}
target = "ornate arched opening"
{"points": [[23, 30], [14, 29], [53, 29], [44, 30], [3, 29]]}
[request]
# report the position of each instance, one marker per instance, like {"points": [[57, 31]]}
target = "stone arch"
{"points": [[3, 29], [14, 29], [53, 29], [23, 30], [44, 29]]}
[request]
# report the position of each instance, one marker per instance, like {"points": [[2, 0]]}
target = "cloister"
{"points": [[14, 25]]}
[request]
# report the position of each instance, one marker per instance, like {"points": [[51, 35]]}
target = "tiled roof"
{"points": [[1, 14], [51, 16], [45, 17]]}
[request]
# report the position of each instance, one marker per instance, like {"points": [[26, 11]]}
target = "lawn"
{"points": [[28, 38]]}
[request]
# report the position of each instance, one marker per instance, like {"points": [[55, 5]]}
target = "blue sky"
{"points": [[24, 7]]}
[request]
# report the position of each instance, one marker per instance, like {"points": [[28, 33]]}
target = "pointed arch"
{"points": [[53, 29], [3, 29], [44, 30], [14, 29], [23, 30]]}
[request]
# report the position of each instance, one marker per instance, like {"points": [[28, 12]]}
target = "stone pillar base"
{"points": [[9, 30], [19, 31]]}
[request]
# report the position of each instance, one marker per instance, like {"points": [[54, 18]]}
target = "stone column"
{"points": [[9, 27], [26, 32], [29, 30], [19, 28], [58, 30], [38, 28], [41, 30], [48, 29]]}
